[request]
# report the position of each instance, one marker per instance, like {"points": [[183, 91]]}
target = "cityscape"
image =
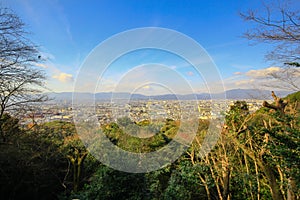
{"points": [[137, 110]]}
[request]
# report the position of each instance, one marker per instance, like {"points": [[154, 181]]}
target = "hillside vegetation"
{"points": [[256, 157]]}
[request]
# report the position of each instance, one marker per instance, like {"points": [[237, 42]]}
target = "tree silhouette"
{"points": [[20, 81]]}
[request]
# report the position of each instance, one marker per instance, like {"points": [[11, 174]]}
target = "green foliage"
{"points": [[111, 184], [9, 127], [140, 137], [31, 166], [38, 162], [124, 121], [285, 145], [34, 163], [294, 97], [184, 183], [237, 113]]}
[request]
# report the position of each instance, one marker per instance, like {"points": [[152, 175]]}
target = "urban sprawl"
{"points": [[136, 110]]}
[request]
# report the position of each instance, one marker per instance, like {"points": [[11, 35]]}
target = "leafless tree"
{"points": [[20, 81], [279, 25], [288, 78]]}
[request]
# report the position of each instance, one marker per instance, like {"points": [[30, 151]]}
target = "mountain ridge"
{"points": [[236, 94]]}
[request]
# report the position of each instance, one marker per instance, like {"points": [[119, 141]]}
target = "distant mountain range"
{"points": [[230, 94]]}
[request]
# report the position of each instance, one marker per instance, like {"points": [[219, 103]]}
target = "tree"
{"points": [[32, 165], [107, 183], [285, 133], [76, 154], [280, 104], [279, 25], [20, 81]]}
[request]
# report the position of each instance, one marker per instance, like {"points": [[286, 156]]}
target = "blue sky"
{"points": [[67, 31]]}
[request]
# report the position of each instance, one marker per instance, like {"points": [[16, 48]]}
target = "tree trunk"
{"points": [[75, 177], [275, 189], [290, 192], [206, 186], [226, 179], [279, 104]]}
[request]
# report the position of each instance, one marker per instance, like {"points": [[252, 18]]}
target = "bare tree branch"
{"points": [[20, 81], [280, 26]]}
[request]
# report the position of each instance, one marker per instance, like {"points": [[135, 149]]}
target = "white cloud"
{"points": [[244, 82], [271, 77], [63, 77], [237, 73], [262, 73], [146, 87], [41, 65]]}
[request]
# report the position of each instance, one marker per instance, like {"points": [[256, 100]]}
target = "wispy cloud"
{"points": [[237, 73], [262, 73], [63, 77], [173, 67], [58, 80], [265, 78], [41, 65], [246, 82], [146, 87], [158, 79]]}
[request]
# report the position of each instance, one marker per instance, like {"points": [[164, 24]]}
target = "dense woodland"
{"points": [[256, 157]]}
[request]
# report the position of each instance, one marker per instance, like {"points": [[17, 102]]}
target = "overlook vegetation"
{"points": [[256, 157]]}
